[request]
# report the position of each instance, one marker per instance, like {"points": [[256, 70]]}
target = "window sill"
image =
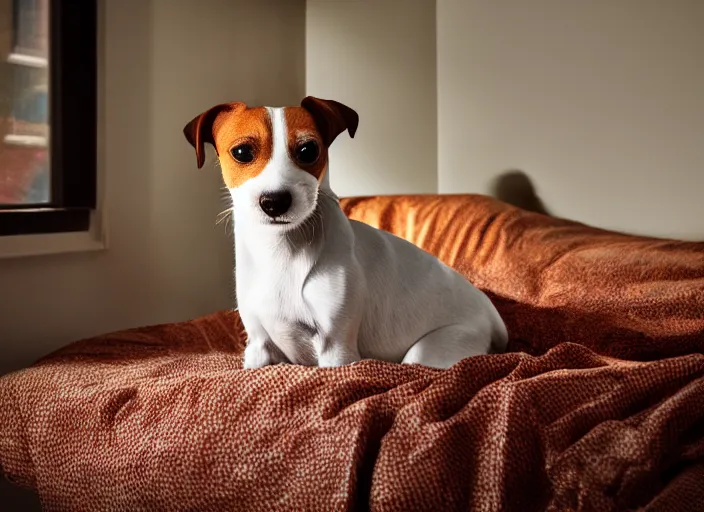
{"points": [[36, 141], [20, 246], [27, 60]]}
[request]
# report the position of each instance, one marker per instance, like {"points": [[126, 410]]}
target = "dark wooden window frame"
{"points": [[73, 126]]}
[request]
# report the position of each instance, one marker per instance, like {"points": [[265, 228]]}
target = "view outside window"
{"points": [[24, 116]]}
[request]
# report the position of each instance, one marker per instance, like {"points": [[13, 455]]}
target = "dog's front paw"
{"points": [[256, 356], [335, 358]]}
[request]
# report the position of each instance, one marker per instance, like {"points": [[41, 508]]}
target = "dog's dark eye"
{"points": [[308, 152], [244, 153]]}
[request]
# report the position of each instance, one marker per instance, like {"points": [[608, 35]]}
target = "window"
{"points": [[48, 96]]}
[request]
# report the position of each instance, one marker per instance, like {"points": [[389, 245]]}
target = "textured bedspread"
{"points": [[600, 407]]}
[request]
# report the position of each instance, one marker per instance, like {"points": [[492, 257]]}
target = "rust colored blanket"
{"points": [[600, 407]]}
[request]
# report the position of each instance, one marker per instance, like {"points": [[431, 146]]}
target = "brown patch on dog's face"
{"points": [[243, 133], [304, 143], [243, 137]]}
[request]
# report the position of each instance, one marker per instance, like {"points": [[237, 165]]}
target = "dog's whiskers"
{"points": [[224, 215], [309, 222], [224, 212]]}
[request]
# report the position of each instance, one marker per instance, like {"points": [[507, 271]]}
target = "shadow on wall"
{"points": [[515, 188]]}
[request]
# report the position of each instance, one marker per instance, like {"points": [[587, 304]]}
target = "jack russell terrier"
{"points": [[314, 287]]}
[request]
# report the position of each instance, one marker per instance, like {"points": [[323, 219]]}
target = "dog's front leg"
{"points": [[335, 300], [260, 350]]}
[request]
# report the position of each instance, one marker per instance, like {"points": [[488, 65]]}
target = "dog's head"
{"points": [[273, 160]]}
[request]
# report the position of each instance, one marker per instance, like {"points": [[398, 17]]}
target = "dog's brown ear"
{"points": [[200, 130], [331, 117]]}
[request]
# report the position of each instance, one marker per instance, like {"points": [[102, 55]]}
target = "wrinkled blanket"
{"points": [[600, 406]]}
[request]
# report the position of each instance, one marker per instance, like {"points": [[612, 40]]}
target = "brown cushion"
{"points": [[555, 280], [165, 418]]}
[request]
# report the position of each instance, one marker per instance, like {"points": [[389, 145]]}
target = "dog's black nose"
{"points": [[275, 203]]}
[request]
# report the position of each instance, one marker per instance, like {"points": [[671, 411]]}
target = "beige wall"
{"points": [[378, 57], [163, 62], [601, 103]]}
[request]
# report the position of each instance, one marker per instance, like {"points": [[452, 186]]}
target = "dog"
{"points": [[314, 287]]}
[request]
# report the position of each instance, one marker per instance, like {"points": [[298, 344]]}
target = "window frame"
{"points": [[73, 77]]}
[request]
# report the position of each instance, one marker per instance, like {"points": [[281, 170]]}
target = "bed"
{"points": [[598, 404]]}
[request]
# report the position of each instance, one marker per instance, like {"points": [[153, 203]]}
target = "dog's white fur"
{"points": [[326, 290]]}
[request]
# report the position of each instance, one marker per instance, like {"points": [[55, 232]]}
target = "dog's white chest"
{"points": [[274, 300]]}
